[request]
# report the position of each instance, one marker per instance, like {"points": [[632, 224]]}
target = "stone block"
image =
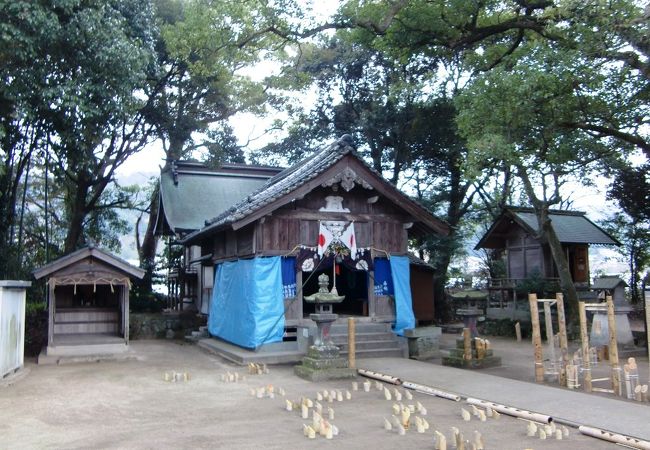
{"points": [[329, 363], [317, 375]]}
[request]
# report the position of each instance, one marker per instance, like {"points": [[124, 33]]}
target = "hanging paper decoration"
{"points": [[349, 239], [325, 238]]}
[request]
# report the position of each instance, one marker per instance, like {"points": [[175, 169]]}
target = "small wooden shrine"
{"points": [[88, 303]]}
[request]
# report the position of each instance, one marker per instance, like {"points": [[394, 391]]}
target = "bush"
{"points": [[543, 287], [153, 303], [506, 328], [35, 328]]}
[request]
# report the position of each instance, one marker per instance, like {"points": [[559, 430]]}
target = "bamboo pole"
{"points": [[564, 344], [352, 357], [537, 338], [550, 340], [467, 344], [518, 331], [584, 338], [613, 347]]}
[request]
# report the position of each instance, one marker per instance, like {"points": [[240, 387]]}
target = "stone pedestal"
{"points": [[324, 363], [423, 342], [456, 358], [599, 335]]}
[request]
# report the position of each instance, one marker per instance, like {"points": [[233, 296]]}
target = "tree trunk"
{"points": [[147, 250], [77, 213], [548, 236], [559, 257]]}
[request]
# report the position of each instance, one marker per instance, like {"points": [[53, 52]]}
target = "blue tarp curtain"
{"points": [[383, 279], [289, 277], [404, 318], [247, 307]]}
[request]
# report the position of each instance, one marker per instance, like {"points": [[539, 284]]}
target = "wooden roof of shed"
{"points": [[571, 227], [84, 253]]}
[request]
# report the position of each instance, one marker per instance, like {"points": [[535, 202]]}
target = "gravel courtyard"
{"points": [[128, 404]]}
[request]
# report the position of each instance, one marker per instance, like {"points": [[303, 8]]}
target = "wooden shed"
{"points": [[88, 303], [515, 234]]}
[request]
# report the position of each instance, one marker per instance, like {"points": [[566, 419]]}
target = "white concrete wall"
{"points": [[12, 327]]}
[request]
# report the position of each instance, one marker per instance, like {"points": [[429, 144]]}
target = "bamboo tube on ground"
{"points": [[352, 357], [615, 437], [511, 411], [613, 347], [564, 344], [584, 337], [537, 338]]}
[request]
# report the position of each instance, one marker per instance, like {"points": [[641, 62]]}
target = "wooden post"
{"points": [[550, 336], [647, 326], [51, 306], [467, 344], [584, 338], [518, 331], [125, 296], [564, 344], [352, 358], [537, 338], [613, 347]]}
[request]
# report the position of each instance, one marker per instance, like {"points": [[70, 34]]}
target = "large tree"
{"points": [[403, 122], [204, 49]]}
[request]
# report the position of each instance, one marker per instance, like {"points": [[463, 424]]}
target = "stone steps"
{"points": [[372, 340]]}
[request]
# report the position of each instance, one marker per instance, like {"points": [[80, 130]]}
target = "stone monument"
{"points": [[323, 361]]}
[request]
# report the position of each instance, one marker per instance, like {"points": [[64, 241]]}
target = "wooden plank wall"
{"points": [[378, 225]]}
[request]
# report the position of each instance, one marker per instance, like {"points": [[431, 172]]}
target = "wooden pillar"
{"points": [[51, 313], [352, 357], [613, 347], [125, 296], [467, 344], [537, 338], [564, 344], [584, 338], [372, 304], [299, 295]]}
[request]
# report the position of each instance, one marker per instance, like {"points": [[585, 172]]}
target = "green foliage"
{"points": [[506, 328], [535, 284], [35, 328], [634, 236]]}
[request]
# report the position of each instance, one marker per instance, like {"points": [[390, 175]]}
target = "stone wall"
{"points": [[155, 325]]}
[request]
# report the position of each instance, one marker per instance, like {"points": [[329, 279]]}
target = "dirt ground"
{"points": [[517, 361], [128, 404]]}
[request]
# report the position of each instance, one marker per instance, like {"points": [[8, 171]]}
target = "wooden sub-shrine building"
{"points": [[515, 234], [330, 213], [88, 303]]}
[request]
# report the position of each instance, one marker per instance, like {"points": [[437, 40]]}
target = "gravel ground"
{"points": [[128, 404]]}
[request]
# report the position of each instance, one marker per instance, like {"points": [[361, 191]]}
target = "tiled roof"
{"points": [[191, 193], [571, 227], [296, 176], [607, 282], [285, 182]]}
